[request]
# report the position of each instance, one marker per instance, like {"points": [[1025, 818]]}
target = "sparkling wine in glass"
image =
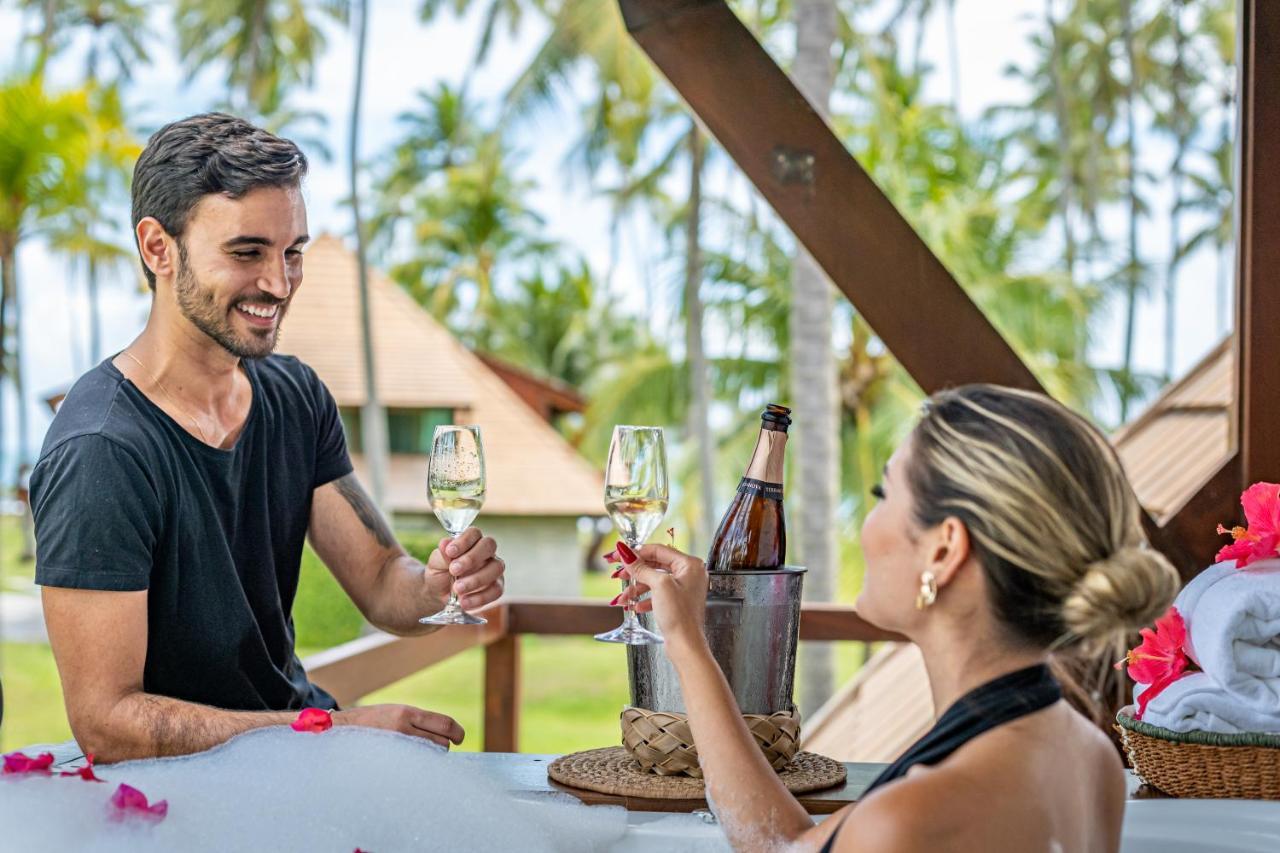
{"points": [[635, 496], [455, 485]]}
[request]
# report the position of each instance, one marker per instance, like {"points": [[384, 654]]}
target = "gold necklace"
{"points": [[176, 404]]}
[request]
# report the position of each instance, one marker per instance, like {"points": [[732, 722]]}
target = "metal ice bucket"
{"points": [[752, 626]]}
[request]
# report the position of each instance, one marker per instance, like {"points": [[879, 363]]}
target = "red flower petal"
{"points": [[1160, 655], [1261, 503], [313, 720], [85, 773], [1155, 690], [16, 762], [1261, 540], [129, 802]]}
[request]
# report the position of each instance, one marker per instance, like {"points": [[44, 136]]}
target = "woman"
{"points": [[1004, 529]]}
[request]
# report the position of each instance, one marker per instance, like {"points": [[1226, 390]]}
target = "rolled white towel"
{"points": [[1196, 702], [1233, 628]]}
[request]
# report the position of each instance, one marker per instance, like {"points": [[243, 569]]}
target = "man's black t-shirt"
{"points": [[126, 499]]}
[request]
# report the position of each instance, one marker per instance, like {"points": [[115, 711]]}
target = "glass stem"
{"points": [[629, 618], [453, 602]]}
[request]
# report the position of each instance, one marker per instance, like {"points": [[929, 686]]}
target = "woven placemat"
{"points": [[610, 770]]}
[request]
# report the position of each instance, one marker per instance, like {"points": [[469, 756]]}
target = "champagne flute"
{"points": [[455, 485], [635, 496]]}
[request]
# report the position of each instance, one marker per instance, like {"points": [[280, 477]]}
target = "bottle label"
{"points": [[769, 491]]}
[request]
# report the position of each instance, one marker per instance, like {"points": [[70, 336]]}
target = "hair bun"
{"points": [[1120, 593]]}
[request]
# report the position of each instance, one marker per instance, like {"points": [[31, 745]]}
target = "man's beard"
{"points": [[200, 305]]}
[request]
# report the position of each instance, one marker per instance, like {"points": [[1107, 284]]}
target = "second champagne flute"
{"points": [[635, 496], [455, 485]]}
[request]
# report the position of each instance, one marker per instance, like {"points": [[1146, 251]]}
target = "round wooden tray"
{"points": [[611, 770]]}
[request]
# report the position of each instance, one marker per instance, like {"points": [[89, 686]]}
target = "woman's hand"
{"points": [[677, 587]]}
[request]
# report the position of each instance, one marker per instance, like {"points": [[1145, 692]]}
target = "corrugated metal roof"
{"points": [[532, 470], [1167, 452]]}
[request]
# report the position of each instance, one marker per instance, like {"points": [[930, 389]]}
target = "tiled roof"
{"points": [[1167, 453], [532, 470]]}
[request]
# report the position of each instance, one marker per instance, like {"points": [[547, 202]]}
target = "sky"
{"points": [[405, 56]]}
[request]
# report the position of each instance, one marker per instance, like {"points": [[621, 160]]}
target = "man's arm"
{"points": [[99, 641], [392, 589]]}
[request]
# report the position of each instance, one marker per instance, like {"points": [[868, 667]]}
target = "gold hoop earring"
{"points": [[928, 591]]}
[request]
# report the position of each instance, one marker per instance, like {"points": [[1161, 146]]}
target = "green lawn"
{"points": [[573, 687]]}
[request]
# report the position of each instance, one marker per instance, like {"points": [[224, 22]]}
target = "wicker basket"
{"points": [[1203, 764], [662, 743]]}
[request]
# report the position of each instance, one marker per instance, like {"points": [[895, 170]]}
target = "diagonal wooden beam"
{"points": [[830, 203]]}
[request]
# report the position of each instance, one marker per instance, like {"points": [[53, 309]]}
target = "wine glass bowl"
{"points": [[635, 496], [455, 487]]}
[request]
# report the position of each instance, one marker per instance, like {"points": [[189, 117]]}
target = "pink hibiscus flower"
{"points": [[1261, 539], [1159, 659]]}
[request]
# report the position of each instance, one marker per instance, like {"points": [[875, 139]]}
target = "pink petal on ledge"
{"points": [[86, 773], [128, 802], [16, 762]]}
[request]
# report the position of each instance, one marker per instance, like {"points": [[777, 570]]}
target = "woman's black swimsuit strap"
{"points": [[993, 704]]}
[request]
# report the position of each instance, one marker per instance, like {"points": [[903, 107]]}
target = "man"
{"points": [[180, 478]]}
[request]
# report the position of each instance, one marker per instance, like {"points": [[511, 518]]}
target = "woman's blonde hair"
{"points": [[1049, 511]]}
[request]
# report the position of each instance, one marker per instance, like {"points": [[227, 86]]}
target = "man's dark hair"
{"points": [[202, 155]]}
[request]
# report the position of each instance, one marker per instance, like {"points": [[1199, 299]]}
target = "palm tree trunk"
{"points": [[48, 11], [7, 265], [1131, 153], [1182, 144], [253, 57], [95, 314], [19, 392], [953, 49], [1065, 175], [699, 388], [373, 420], [815, 396]]}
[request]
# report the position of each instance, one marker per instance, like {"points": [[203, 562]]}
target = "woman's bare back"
{"points": [[1049, 781]]}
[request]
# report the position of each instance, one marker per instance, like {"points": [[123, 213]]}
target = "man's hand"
{"points": [[405, 719], [468, 565]]}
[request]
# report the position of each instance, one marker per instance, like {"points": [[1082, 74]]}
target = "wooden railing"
{"points": [[357, 668]]}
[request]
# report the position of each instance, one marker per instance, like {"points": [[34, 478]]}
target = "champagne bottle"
{"points": [[753, 533]]}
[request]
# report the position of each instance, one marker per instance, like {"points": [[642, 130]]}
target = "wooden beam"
{"points": [[820, 621], [1258, 239], [502, 695], [369, 663], [832, 206], [562, 616]]}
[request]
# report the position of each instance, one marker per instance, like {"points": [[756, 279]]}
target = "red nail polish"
{"points": [[624, 551], [617, 573], [614, 603], [611, 557]]}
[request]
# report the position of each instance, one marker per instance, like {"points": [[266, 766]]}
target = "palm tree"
{"points": [[1183, 81], [625, 110], [468, 225], [1212, 194], [50, 146], [373, 418], [813, 367], [265, 46]]}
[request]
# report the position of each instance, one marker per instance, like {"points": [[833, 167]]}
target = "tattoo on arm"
{"points": [[370, 517]]}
